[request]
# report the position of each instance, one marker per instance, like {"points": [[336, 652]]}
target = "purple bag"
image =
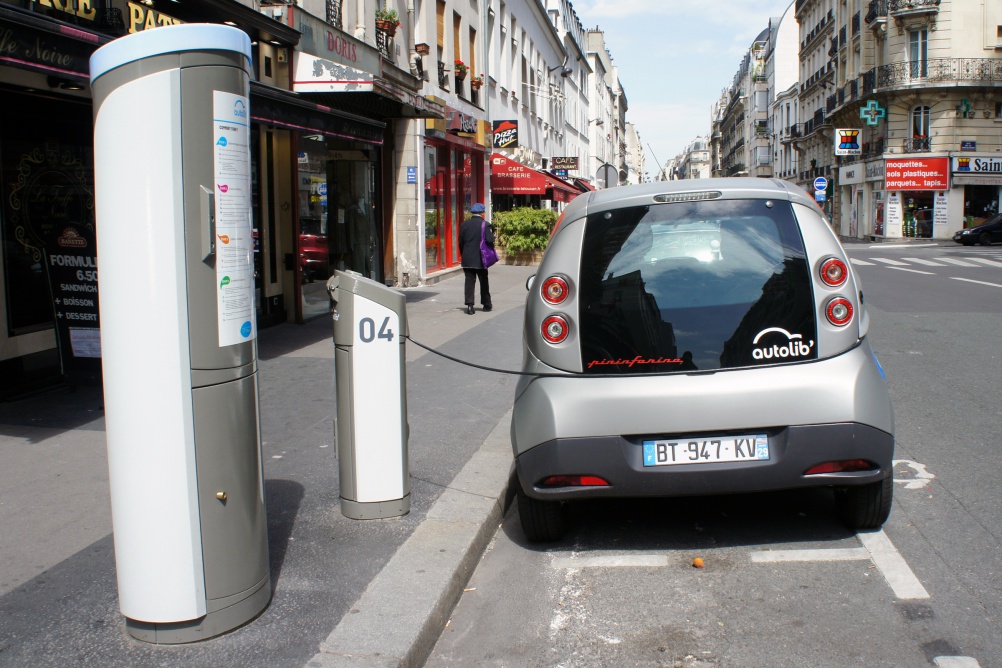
{"points": [[487, 254]]}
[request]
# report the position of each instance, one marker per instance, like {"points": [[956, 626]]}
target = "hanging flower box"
{"points": [[477, 82], [461, 70], [386, 21]]}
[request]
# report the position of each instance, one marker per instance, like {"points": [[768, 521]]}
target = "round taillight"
{"points": [[839, 311], [554, 289], [834, 272], [555, 329]]}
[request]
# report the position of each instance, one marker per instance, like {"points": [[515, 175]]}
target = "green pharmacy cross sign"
{"points": [[872, 112]]}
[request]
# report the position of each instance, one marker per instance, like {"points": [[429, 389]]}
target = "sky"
{"points": [[674, 59]]}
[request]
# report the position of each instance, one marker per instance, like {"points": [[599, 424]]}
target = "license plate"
{"points": [[678, 451]]}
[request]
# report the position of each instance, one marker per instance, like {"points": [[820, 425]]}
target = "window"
{"points": [[918, 53], [920, 122], [694, 281]]}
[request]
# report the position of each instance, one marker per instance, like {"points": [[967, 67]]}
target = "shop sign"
{"points": [[939, 217], [36, 49], [917, 174], [977, 165], [894, 214], [851, 174], [62, 9], [872, 113], [412, 175], [460, 123], [505, 134], [566, 162], [968, 146], [847, 142], [328, 43], [143, 18], [319, 75], [874, 171]]}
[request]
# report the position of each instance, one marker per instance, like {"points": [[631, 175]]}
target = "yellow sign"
{"points": [[142, 18], [81, 8]]}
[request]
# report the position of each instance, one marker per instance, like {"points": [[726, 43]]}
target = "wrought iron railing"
{"points": [[872, 149], [940, 70], [443, 75], [819, 117], [869, 81], [833, 47], [876, 10], [912, 5], [853, 89], [831, 103], [383, 41], [334, 13], [916, 145]]}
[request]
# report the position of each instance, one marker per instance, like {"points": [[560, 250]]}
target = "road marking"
{"points": [[860, 263], [889, 261], [921, 479], [956, 662], [892, 565], [914, 271], [919, 260], [990, 263], [838, 554], [971, 280], [959, 263], [607, 561]]}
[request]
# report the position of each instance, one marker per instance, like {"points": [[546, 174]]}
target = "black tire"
{"points": [[542, 521], [865, 506], [985, 239]]}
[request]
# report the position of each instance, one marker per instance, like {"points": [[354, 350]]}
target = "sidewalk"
{"points": [[346, 592]]}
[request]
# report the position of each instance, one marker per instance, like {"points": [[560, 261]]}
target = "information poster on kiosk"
{"points": [[234, 240]]}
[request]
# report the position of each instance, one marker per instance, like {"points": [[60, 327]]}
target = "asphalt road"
{"points": [[784, 584]]}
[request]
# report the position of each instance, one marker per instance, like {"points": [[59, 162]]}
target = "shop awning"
{"points": [[584, 185], [281, 108], [509, 177]]}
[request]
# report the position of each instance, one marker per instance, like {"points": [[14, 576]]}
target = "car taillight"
{"points": [[839, 311], [554, 290], [833, 272], [842, 466], [574, 481], [555, 329]]}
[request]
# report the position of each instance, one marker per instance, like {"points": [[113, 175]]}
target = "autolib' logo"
{"points": [[793, 346]]}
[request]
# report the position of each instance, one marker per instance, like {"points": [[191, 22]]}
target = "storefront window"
{"points": [[980, 203], [434, 209], [314, 267], [47, 177], [453, 182]]}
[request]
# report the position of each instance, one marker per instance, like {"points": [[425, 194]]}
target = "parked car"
{"points": [[698, 339], [984, 234], [313, 259]]}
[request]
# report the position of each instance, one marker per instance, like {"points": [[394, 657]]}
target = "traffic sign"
{"points": [[820, 183], [819, 195]]}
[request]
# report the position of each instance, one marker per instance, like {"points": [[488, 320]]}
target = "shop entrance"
{"points": [[981, 202], [918, 209], [354, 235]]}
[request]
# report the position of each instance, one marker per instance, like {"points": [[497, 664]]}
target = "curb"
{"points": [[400, 616]]}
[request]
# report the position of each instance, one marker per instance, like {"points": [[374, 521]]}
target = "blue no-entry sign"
{"points": [[820, 183]]}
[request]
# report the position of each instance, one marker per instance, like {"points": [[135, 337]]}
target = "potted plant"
{"points": [[523, 233], [461, 70], [477, 82], [387, 21]]}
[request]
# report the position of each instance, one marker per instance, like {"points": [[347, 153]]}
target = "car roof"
{"points": [[644, 193]]}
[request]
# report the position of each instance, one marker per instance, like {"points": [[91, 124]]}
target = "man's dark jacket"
{"points": [[469, 241]]}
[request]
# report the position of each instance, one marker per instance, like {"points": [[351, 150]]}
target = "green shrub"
{"points": [[524, 228]]}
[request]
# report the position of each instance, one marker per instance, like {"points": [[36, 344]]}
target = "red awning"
{"points": [[584, 185], [509, 177]]}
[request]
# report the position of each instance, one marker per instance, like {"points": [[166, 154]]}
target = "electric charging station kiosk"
{"points": [[175, 242], [370, 323]]}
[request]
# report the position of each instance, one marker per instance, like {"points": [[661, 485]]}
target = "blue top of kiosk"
{"points": [[169, 39]]}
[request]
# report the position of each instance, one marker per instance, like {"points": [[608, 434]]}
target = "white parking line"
{"points": [[860, 263], [892, 565], [838, 554], [959, 263], [885, 260], [914, 271], [607, 561], [956, 662], [971, 280], [990, 263], [928, 263]]}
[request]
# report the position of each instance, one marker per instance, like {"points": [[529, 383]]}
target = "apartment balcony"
{"points": [[869, 80], [792, 133], [872, 149], [901, 9], [831, 103], [917, 145], [876, 14], [940, 72]]}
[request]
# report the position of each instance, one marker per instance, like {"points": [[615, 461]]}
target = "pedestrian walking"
{"points": [[471, 232]]}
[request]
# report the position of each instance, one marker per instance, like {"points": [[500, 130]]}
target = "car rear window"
{"points": [[695, 286]]}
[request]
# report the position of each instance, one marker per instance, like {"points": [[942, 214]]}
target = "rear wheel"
{"points": [[985, 239], [542, 521], [865, 506]]}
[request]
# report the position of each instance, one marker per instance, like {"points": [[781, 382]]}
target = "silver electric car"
{"points": [[698, 338]]}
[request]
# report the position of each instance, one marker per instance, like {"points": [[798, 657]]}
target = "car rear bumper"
{"points": [[792, 451]]}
